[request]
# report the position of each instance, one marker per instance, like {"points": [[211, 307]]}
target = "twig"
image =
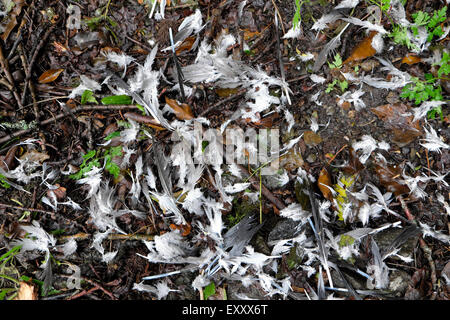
{"points": [[112, 236], [5, 68], [80, 108], [4, 205], [218, 104], [262, 188], [426, 250]]}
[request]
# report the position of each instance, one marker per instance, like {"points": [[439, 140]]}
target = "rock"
{"points": [[284, 229], [236, 291], [339, 283], [398, 282], [385, 238]]}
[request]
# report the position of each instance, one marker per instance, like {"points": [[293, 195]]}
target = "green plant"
{"points": [[88, 96], [337, 63], [3, 182], [421, 91], [209, 290], [9, 274], [384, 5], [342, 84], [444, 68], [400, 36], [431, 23], [93, 157]]}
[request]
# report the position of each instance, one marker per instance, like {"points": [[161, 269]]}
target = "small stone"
{"points": [[369, 65], [398, 282], [311, 158], [392, 97]]}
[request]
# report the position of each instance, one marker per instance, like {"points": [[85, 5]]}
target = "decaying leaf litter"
{"points": [[92, 181]]}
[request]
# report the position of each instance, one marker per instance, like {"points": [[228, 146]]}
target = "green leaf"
{"points": [[209, 290], [119, 99], [88, 96], [343, 85], [112, 168], [112, 135]]}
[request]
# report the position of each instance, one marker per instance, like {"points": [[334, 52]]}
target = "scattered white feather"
{"points": [[86, 84], [426, 106], [69, 247], [346, 4], [295, 212], [365, 24], [121, 59], [325, 19], [432, 141], [37, 239], [317, 79]]}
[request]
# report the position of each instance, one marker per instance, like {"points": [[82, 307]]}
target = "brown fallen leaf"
{"points": [[363, 50], [59, 192], [324, 184], [26, 292], [34, 155], [411, 58], [11, 20], [396, 119], [250, 34], [389, 177], [50, 75], [182, 112], [226, 92], [311, 138], [186, 45]]}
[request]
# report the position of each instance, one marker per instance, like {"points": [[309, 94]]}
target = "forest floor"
{"points": [[98, 201]]}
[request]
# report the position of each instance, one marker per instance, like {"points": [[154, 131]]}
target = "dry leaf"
{"points": [[11, 19], [186, 45], [292, 160], [324, 184], [389, 176], [396, 119], [249, 34], [33, 155], [182, 112], [50, 75], [363, 50], [411, 59], [60, 192], [226, 92], [26, 292], [311, 138]]}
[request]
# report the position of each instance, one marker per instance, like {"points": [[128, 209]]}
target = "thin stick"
{"points": [[221, 102], [4, 205], [262, 188], [426, 250], [80, 108], [5, 67]]}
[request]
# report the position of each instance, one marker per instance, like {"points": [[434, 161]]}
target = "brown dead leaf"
{"points": [[396, 119], [34, 155], [226, 92], [186, 45], [411, 58], [311, 138], [26, 292], [324, 184], [354, 165], [11, 20], [250, 34], [363, 50], [50, 75], [182, 112], [292, 160], [59, 192], [389, 177]]}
